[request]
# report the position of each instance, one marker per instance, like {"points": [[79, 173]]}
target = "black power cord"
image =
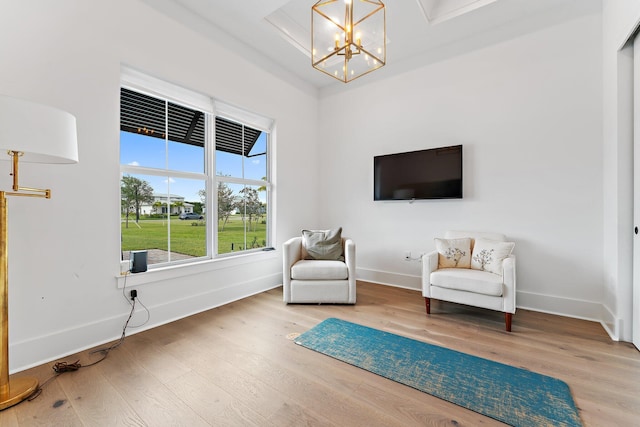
{"points": [[62, 367]]}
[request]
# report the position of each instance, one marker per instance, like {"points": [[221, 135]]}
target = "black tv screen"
{"points": [[426, 174]]}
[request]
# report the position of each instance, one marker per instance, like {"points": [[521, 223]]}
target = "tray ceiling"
{"points": [[275, 34]]}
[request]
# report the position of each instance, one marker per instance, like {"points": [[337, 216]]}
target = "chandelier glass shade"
{"points": [[348, 37]]}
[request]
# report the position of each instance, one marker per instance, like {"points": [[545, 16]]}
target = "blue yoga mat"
{"points": [[512, 395]]}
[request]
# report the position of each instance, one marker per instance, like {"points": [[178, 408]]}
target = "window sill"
{"points": [[175, 271]]}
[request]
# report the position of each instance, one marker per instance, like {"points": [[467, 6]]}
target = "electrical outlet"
{"points": [[134, 294], [125, 266], [407, 255]]}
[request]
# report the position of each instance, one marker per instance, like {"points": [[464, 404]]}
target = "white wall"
{"points": [[619, 20], [528, 113], [64, 252]]}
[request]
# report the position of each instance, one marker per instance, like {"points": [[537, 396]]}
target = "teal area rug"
{"points": [[514, 396]]}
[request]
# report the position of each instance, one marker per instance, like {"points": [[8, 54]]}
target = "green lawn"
{"points": [[187, 238]]}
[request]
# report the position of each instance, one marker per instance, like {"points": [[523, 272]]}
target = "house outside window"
{"points": [[167, 203], [194, 184]]}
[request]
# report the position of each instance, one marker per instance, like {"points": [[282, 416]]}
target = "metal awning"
{"points": [[229, 137], [144, 114]]}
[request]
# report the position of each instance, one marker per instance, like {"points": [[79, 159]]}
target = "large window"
{"points": [[193, 185]]}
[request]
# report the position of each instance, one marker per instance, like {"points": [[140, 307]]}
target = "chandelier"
{"points": [[348, 37]]}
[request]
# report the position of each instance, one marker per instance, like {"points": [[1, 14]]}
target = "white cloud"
{"points": [[255, 161], [134, 163], [170, 181]]}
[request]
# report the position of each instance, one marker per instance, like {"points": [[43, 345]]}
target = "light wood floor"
{"points": [[234, 365]]}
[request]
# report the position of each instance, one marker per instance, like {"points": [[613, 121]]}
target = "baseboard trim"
{"points": [[552, 304], [611, 324], [52, 347], [57, 345], [561, 306], [398, 280]]}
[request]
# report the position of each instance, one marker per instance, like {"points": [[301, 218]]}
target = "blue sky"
{"points": [[141, 150]]}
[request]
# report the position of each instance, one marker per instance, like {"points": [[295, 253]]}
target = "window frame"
{"points": [[212, 108], [243, 181]]}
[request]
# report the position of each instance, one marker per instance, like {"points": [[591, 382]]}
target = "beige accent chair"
{"points": [[318, 281], [471, 287]]}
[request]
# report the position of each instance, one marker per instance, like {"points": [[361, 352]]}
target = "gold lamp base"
{"points": [[53, 142], [19, 389], [15, 390]]}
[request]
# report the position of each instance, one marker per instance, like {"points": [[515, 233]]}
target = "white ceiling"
{"points": [[275, 34]]}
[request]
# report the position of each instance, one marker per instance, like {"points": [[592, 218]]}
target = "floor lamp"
{"points": [[31, 133]]}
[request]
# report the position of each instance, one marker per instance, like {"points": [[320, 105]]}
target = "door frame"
{"points": [[635, 313]]}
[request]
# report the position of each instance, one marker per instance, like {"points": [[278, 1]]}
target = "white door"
{"points": [[636, 190]]}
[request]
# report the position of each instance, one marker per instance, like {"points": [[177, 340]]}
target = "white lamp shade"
{"points": [[44, 134]]}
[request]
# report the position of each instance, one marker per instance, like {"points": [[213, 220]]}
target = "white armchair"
{"points": [[492, 290], [318, 281]]}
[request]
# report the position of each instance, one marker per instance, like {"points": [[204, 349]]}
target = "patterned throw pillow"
{"points": [[323, 244], [488, 255], [454, 253]]}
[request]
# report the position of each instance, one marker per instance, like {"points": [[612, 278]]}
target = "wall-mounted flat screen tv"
{"points": [[435, 173]]}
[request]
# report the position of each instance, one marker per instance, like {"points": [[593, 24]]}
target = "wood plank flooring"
{"points": [[235, 366]]}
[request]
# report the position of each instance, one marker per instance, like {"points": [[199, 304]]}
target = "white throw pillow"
{"points": [[454, 253], [489, 254]]}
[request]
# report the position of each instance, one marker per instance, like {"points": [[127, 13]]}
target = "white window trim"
{"points": [[135, 80], [141, 170], [237, 114], [170, 272], [138, 81]]}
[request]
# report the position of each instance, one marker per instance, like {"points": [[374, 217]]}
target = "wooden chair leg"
{"points": [[507, 321], [427, 303]]}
